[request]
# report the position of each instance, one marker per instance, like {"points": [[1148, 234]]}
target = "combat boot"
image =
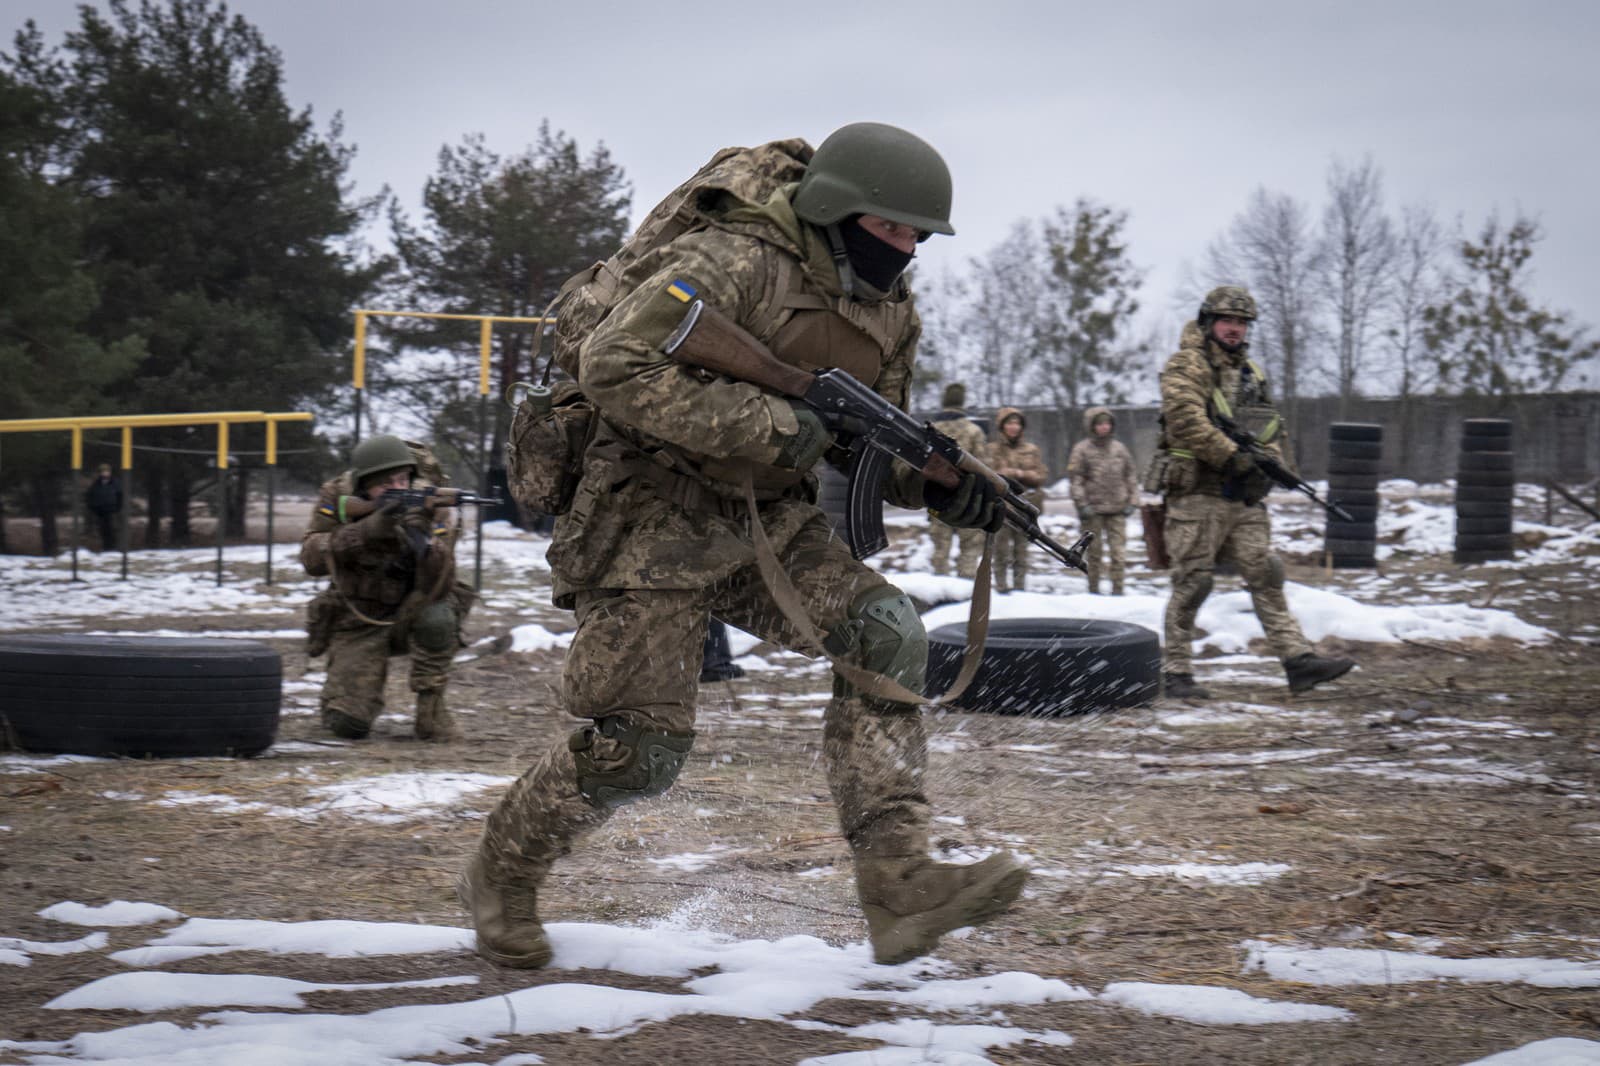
{"points": [[434, 720], [1308, 670], [1183, 687], [344, 725], [911, 902], [505, 914]]}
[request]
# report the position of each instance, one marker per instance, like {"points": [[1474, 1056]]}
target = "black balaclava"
{"points": [[875, 261]]}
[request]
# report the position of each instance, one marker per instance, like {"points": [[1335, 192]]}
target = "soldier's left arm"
{"points": [[1031, 468]]}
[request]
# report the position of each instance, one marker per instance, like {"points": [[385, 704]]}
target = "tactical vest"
{"points": [[1240, 395]]}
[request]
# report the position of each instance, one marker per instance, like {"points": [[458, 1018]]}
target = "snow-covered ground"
{"points": [[257, 1018]]}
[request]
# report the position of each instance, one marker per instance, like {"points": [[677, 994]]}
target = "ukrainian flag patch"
{"points": [[681, 290]]}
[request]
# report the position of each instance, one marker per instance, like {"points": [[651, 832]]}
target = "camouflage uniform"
{"points": [[1024, 463], [658, 537], [1205, 520], [1105, 485], [392, 592], [956, 424]]}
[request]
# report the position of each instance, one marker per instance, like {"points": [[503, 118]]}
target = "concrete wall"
{"points": [[1555, 436]]}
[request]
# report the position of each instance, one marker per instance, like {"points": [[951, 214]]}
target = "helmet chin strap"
{"points": [[841, 258]]}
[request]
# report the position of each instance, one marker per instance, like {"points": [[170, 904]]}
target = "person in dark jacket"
{"points": [[103, 498]]}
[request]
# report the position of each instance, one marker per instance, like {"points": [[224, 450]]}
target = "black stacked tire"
{"points": [[1050, 666], [1485, 488], [1355, 450], [139, 696]]}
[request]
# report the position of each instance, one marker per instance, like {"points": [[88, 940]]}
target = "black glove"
{"points": [[1254, 487], [973, 504], [1240, 464], [801, 449]]}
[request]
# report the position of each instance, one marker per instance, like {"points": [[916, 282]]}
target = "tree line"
{"points": [[176, 235]]}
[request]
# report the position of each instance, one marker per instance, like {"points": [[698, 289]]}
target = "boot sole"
{"points": [[1307, 686], [900, 938]]}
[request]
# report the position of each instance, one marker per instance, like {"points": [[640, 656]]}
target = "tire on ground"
{"points": [[1494, 555], [1478, 526], [1351, 530], [1358, 431], [1469, 542], [1485, 461], [1359, 512], [1338, 465], [1486, 427], [1339, 546], [1353, 562], [1483, 508], [1497, 494], [1485, 479], [1345, 495], [1355, 449], [1050, 666], [139, 696]]}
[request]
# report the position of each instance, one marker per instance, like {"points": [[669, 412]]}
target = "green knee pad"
{"points": [[646, 767], [435, 628], [882, 623]]}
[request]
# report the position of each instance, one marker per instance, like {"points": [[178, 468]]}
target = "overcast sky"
{"points": [[1173, 111]]}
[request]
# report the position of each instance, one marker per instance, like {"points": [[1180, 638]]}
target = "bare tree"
{"points": [[1419, 279], [942, 349], [1006, 317], [1270, 249], [1357, 249]]}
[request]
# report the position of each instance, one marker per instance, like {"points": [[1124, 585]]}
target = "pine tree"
{"points": [[1489, 338], [1090, 290]]}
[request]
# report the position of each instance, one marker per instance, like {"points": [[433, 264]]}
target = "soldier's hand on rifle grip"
{"points": [[973, 504], [801, 449], [1240, 464]]}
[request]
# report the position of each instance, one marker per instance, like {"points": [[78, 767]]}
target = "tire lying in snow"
{"points": [[139, 696], [1050, 666]]}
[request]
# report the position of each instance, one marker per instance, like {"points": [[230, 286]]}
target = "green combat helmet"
{"points": [[377, 454], [868, 168], [1232, 300]]}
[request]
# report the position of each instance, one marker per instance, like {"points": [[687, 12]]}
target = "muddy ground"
{"points": [[1447, 791]]}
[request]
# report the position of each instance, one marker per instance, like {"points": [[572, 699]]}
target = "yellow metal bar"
{"points": [[460, 318], [127, 447], [485, 337], [222, 445], [360, 379], [272, 442], [77, 448], [198, 418]]}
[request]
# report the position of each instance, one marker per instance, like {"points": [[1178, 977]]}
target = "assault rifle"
{"points": [[415, 499], [878, 431], [1270, 466]]}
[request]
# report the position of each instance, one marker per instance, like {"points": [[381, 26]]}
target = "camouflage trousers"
{"points": [[967, 557], [637, 654], [1202, 529], [1110, 537], [358, 661], [1010, 566]]}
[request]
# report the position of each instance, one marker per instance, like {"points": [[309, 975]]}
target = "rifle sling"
{"points": [[787, 597]]}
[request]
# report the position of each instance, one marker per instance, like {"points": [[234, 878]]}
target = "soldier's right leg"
{"points": [[631, 675], [940, 534], [358, 668], [1115, 527], [1094, 523], [971, 552], [1191, 531]]}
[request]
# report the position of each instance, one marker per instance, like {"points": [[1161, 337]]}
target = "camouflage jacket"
{"points": [[631, 526], [1199, 380], [1018, 459], [376, 562], [959, 427], [1101, 470]]}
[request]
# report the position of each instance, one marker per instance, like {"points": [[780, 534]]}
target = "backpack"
{"points": [[553, 424]]}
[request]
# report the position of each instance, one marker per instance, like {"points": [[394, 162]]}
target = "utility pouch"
{"points": [[550, 431], [587, 539], [1155, 475], [319, 622]]}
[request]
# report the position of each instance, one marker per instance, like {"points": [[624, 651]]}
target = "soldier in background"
{"points": [[1215, 492], [391, 589], [103, 498], [954, 422], [1022, 462], [1105, 487]]}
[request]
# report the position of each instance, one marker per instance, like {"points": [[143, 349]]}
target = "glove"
{"points": [[801, 449], [1240, 464], [1255, 487], [972, 504]]}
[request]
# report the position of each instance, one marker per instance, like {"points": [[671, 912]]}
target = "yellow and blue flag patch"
{"points": [[681, 290]]}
